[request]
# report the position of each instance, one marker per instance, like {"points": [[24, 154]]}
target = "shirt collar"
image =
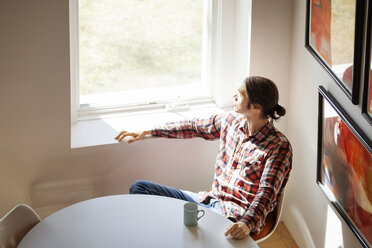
{"points": [[260, 134]]}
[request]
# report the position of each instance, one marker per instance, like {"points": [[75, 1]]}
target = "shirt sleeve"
{"points": [[274, 178], [208, 129]]}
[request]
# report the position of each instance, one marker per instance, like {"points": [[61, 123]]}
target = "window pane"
{"points": [[137, 44]]}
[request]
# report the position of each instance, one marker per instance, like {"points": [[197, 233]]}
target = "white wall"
{"points": [[306, 211], [271, 45]]}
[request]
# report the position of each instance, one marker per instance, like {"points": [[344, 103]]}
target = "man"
{"points": [[253, 162]]}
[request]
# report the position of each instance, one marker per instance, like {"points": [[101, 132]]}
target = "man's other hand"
{"points": [[238, 230], [130, 137]]}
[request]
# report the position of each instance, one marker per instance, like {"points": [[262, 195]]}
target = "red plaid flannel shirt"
{"points": [[251, 171]]}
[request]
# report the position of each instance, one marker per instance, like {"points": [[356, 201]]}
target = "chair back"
{"points": [[15, 224], [272, 221]]}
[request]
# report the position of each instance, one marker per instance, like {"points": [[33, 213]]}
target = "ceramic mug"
{"points": [[191, 214]]}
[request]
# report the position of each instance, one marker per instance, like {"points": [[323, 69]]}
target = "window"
{"points": [[134, 54]]}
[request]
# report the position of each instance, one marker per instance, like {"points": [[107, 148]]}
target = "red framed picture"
{"points": [[344, 169], [334, 36]]}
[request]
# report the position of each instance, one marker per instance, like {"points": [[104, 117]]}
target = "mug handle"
{"points": [[201, 211]]}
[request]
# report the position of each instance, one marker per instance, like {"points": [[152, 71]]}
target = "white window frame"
{"points": [[225, 63]]}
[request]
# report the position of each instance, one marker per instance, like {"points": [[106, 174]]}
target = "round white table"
{"points": [[130, 221]]}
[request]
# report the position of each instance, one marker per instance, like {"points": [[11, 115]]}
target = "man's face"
{"points": [[241, 100]]}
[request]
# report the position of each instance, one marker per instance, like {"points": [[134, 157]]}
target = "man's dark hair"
{"points": [[263, 91]]}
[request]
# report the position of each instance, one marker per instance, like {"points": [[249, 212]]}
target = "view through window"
{"points": [[127, 45]]}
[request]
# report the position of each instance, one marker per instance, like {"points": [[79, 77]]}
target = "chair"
{"points": [[15, 224], [272, 221]]}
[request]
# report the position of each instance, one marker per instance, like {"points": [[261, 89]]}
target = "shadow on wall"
{"points": [[12, 181], [77, 175], [61, 182]]}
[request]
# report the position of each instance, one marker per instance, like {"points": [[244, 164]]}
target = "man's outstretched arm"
{"points": [[185, 129], [205, 128]]}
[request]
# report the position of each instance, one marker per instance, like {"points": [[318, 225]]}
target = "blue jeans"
{"points": [[150, 188]]}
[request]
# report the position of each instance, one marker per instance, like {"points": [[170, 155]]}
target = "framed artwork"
{"points": [[344, 169], [334, 36], [367, 90]]}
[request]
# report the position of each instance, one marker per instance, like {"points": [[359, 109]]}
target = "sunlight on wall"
{"points": [[333, 238]]}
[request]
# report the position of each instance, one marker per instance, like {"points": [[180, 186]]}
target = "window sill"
{"points": [[102, 130]]}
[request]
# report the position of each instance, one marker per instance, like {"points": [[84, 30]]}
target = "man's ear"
{"points": [[256, 106]]}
